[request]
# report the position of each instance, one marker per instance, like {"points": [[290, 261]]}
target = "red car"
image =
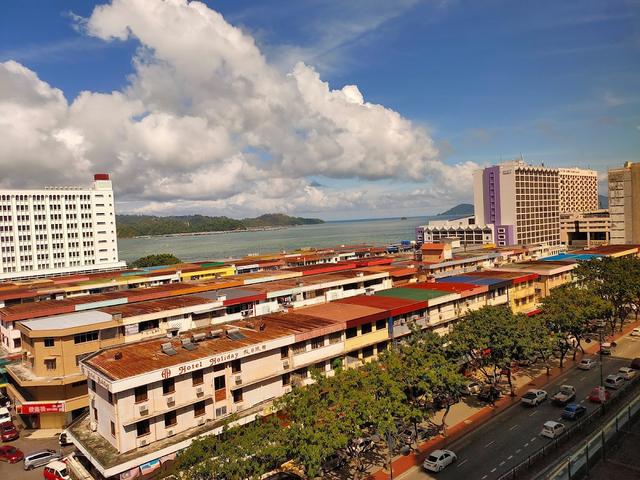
{"points": [[8, 432], [10, 454], [599, 393]]}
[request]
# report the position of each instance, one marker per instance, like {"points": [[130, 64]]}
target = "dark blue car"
{"points": [[573, 411]]}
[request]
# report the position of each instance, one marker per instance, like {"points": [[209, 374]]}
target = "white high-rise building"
{"points": [[58, 230]]}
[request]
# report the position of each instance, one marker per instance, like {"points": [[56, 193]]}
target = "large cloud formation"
{"points": [[206, 123]]}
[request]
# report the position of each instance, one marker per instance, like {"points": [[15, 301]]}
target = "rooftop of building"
{"points": [[70, 320]]}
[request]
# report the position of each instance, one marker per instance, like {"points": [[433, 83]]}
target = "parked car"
{"points": [[533, 397], [39, 458], [408, 435], [573, 411], [9, 453], [361, 445], [599, 394], [627, 373], [439, 460], [8, 432], [335, 461], [5, 415], [606, 348], [471, 388], [635, 363], [587, 364], [552, 429], [56, 470], [489, 393], [635, 332], [4, 401], [63, 440], [283, 476], [614, 381], [566, 394]]}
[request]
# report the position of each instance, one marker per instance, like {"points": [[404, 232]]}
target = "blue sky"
{"points": [[554, 81]]}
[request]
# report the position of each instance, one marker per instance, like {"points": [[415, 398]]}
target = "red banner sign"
{"points": [[32, 408]]}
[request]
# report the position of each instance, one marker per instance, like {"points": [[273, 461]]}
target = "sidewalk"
{"points": [[466, 425]]}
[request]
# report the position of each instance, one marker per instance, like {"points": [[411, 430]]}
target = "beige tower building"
{"points": [[577, 190], [624, 203]]}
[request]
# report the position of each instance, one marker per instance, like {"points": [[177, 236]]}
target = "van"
{"points": [[39, 458], [56, 471]]}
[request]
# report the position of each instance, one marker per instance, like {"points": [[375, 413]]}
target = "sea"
{"points": [[226, 245]]}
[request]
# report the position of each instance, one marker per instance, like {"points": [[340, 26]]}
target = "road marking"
{"points": [[581, 401], [518, 451], [514, 427], [463, 462], [483, 477], [533, 439], [510, 457], [502, 463], [490, 443], [493, 470], [582, 378], [533, 413], [526, 445]]}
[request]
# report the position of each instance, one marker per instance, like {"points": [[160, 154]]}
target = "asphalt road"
{"points": [[513, 435]]}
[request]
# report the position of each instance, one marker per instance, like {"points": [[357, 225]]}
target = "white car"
{"points": [[627, 373], [587, 364], [5, 415], [438, 460], [614, 381], [635, 332], [533, 397], [552, 429]]}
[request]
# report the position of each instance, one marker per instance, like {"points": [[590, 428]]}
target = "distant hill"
{"points": [[603, 201], [141, 225], [462, 209]]}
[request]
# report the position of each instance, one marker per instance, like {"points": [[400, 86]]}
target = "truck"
{"points": [[566, 394]]}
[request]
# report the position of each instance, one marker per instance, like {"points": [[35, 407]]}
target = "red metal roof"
{"points": [[393, 306]]}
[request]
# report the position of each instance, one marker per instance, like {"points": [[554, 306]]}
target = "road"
{"points": [[513, 435]]}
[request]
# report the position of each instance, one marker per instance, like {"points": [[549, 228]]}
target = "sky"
{"points": [[321, 108]]}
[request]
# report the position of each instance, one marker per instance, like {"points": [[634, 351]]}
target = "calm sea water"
{"points": [[237, 244]]}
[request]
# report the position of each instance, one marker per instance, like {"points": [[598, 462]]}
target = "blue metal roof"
{"points": [[474, 280]]}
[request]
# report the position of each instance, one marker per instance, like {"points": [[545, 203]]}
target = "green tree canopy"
{"points": [[156, 260]]}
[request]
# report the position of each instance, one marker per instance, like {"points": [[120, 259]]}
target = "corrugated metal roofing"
{"points": [[411, 293], [71, 320], [491, 282], [393, 305]]}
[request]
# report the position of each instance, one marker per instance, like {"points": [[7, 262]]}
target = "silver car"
{"points": [[40, 458]]}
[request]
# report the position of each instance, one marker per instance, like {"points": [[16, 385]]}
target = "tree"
{"points": [[156, 260], [569, 312], [542, 340], [491, 339], [616, 280]]}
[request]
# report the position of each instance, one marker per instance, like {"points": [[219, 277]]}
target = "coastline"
{"points": [[214, 232]]}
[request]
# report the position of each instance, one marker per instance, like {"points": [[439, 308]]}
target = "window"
{"points": [[221, 411], [335, 338], [237, 396], [113, 429], [49, 342], [141, 394], [299, 347], [197, 378], [50, 363], [110, 397], [352, 332], [219, 383], [236, 366], [317, 343], [381, 324], [86, 337], [92, 385], [142, 428], [286, 379], [168, 386], [198, 409], [366, 328], [170, 419], [284, 351], [367, 352]]}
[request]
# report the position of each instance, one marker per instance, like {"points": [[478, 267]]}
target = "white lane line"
{"points": [[483, 477], [509, 457], [533, 413], [502, 463], [533, 439], [582, 378], [514, 427], [490, 443], [463, 462], [518, 451], [581, 401], [493, 470], [526, 445]]}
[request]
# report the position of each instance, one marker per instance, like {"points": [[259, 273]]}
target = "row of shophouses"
{"points": [[135, 374]]}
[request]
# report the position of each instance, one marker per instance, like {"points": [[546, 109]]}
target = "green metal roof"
{"points": [[412, 293]]}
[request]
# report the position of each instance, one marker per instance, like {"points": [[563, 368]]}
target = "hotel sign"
{"points": [[40, 407]]}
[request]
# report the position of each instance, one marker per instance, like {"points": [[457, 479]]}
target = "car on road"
{"points": [[63, 439], [566, 394], [56, 470], [39, 458], [9, 453], [587, 364], [606, 348], [635, 332], [489, 393], [533, 397], [599, 394], [5, 415], [573, 411], [8, 432], [471, 388], [614, 381], [627, 373], [635, 363], [552, 429], [439, 460]]}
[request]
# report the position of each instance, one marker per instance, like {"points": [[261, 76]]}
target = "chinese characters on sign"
{"points": [[34, 408]]}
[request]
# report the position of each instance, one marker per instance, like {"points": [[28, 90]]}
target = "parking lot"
{"points": [[28, 445]]}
